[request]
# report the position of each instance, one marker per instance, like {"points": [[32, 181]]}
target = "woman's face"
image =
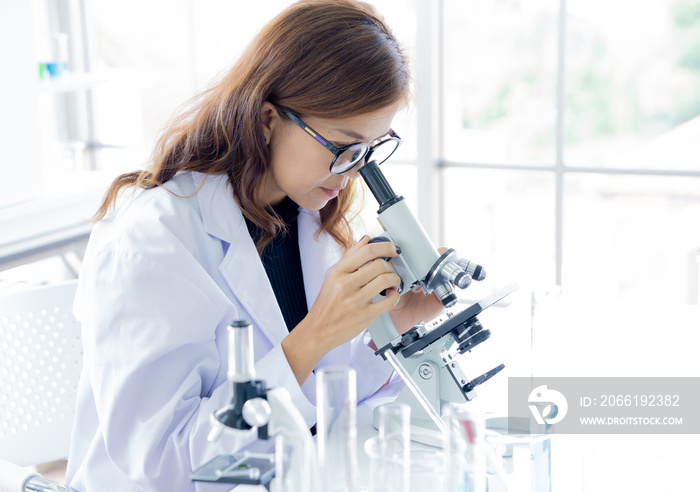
{"points": [[300, 165]]}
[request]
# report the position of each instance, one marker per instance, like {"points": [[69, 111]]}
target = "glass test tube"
{"points": [[465, 464], [336, 427], [390, 450]]}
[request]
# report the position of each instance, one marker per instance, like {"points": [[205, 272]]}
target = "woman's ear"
{"points": [[270, 120]]}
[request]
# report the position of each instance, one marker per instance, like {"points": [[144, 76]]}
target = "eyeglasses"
{"points": [[349, 156]]}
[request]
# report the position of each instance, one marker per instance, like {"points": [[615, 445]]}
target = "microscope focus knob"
{"points": [[383, 239], [256, 412]]}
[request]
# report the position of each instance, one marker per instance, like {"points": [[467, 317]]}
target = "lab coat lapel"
{"points": [[241, 267], [318, 255]]}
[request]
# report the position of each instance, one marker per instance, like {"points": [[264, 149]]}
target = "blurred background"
{"points": [[555, 142]]}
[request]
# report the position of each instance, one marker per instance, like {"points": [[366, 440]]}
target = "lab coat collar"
{"points": [[241, 266], [221, 216]]}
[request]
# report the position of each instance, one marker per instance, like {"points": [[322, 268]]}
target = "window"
{"points": [[604, 109], [571, 157], [500, 80], [633, 93]]}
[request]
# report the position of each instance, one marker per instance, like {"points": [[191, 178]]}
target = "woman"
{"points": [[243, 214]]}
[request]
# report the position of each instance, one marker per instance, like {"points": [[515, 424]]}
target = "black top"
{"points": [[282, 264]]}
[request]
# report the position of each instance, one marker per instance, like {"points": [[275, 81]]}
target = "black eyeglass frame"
{"points": [[338, 151]]}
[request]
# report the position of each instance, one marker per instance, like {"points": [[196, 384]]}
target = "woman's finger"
{"points": [[369, 272], [384, 305], [379, 284], [354, 259]]}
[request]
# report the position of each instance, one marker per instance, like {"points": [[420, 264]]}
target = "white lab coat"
{"points": [[161, 280]]}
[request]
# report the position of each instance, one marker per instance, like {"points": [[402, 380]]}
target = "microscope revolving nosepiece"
{"points": [[455, 275]]}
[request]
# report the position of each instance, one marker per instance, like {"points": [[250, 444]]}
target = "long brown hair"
{"points": [[322, 58]]}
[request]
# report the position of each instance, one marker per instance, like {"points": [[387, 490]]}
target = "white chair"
{"points": [[40, 364]]}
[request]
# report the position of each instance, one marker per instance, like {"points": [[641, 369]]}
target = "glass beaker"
{"points": [[336, 428], [295, 469], [463, 447], [524, 457], [390, 450], [427, 464], [423, 472]]}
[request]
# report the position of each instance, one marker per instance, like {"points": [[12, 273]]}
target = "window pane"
{"points": [[633, 87], [499, 102], [172, 50], [150, 41], [632, 238], [503, 220], [400, 15]]}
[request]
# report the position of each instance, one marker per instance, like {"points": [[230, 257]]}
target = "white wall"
{"points": [[20, 161]]}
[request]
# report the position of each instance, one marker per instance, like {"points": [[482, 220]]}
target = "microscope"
{"points": [[427, 355], [268, 411]]}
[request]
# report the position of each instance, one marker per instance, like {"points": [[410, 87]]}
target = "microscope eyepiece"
{"points": [[378, 185]]}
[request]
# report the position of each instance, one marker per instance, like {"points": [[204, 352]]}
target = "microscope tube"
{"points": [[405, 230], [377, 184], [241, 361]]}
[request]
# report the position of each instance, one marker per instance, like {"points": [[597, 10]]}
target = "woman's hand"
{"points": [[344, 306], [414, 307]]}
